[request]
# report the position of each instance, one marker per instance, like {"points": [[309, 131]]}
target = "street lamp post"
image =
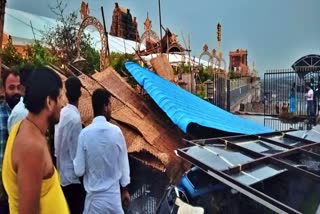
{"points": [[105, 30]]}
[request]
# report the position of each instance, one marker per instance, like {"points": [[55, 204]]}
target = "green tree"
{"points": [[234, 75], [38, 55], [204, 74], [61, 39], [201, 92], [92, 58], [118, 61], [186, 69], [10, 56]]}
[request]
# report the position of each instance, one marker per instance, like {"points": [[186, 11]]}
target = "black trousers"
{"points": [[75, 196], [4, 207], [311, 112]]}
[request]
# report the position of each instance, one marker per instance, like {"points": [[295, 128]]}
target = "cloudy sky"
{"points": [[275, 32]]}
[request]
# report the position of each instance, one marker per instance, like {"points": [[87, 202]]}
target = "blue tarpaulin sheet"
{"points": [[184, 108]]}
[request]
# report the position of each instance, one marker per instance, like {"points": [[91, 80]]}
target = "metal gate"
{"points": [[217, 90], [286, 87], [220, 90], [284, 92]]}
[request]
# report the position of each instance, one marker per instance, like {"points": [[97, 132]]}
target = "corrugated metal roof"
{"points": [[184, 108]]}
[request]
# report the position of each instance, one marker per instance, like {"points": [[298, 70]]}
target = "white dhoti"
{"points": [[103, 203]]}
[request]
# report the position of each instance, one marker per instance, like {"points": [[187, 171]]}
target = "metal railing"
{"points": [[277, 125], [226, 93]]}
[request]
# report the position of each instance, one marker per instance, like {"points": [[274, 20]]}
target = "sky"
{"points": [[276, 33]]}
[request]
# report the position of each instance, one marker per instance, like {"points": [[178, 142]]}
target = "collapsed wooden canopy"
{"points": [[162, 67], [150, 136]]}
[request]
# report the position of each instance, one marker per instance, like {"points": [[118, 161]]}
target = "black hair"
{"points": [[73, 89], [25, 73], [42, 83], [100, 98], [6, 72]]}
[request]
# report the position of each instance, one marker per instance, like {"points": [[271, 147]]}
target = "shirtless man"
{"points": [[29, 176]]}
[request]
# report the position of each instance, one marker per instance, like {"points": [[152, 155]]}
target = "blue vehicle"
{"points": [[204, 191], [197, 189], [196, 183]]}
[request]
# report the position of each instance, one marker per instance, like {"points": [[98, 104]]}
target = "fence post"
{"points": [[264, 96], [228, 95]]}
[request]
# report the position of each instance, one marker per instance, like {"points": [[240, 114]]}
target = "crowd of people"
{"points": [[91, 172]]}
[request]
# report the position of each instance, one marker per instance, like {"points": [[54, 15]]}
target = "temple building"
{"points": [[123, 25], [152, 42], [239, 61]]}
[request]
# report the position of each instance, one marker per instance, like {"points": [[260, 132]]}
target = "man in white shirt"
{"points": [[19, 112], [102, 159], [310, 106], [66, 141]]}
